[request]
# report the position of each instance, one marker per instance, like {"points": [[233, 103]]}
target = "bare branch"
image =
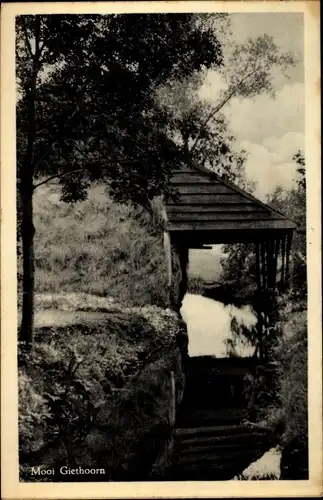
{"points": [[58, 176], [219, 107], [210, 116]]}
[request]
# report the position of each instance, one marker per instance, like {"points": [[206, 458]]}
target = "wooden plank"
{"points": [[199, 188], [192, 180], [230, 225], [215, 216], [194, 177], [211, 199], [218, 236], [219, 207], [186, 170]]}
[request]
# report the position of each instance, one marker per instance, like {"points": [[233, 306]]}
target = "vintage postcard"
{"points": [[160, 249]]}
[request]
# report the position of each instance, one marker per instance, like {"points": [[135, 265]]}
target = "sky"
{"points": [[270, 129]]}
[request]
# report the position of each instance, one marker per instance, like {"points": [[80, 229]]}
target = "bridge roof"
{"points": [[209, 209]]}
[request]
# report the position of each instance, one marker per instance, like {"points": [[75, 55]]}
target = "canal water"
{"points": [[209, 326]]}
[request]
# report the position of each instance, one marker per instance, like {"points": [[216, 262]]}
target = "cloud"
{"points": [[213, 84], [270, 168], [286, 146], [262, 117], [270, 129]]}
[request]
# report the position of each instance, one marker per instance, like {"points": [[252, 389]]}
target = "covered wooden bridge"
{"points": [[207, 209]]}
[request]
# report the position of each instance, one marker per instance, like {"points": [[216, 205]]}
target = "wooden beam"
{"points": [[263, 265], [214, 208], [288, 255], [236, 225], [271, 264], [194, 177], [186, 170], [283, 247], [205, 188], [219, 216], [211, 237], [277, 244], [201, 247], [257, 251], [211, 199]]}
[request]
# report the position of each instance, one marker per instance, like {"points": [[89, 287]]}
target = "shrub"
{"points": [[195, 285], [95, 392], [290, 411]]}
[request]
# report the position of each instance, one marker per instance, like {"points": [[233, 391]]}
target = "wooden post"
{"points": [[258, 300], [269, 259], [172, 405], [183, 258], [258, 271], [283, 261], [291, 272], [178, 274], [277, 245], [168, 254], [289, 239], [263, 266]]}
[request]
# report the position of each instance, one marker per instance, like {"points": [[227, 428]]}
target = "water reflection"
{"points": [[208, 323]]}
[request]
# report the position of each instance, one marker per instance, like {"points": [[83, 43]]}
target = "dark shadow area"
{"points": [[212, 440]]}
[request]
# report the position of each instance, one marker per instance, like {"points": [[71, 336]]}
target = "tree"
{"points": [[293, 203], [86, 108], [247, 71], [217, 149], [239, 264], [200, 125]]}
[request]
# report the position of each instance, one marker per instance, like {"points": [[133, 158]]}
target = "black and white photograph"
{"points": [[162, 246]]}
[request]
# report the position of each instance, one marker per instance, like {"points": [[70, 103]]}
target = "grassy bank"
{"points": [[98, 247], [94, 391]]}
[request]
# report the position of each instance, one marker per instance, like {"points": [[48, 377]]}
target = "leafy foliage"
{"points": [[95, 78], [200, 125], [216, 147], [86, 109], [278, 394], [248, 67], [290, 411], [239, 263], [100, 380], [293, 204]]}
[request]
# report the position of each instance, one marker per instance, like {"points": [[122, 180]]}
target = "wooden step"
{"points": [[209, 440], [226, 456], [217, 430], [212, 417], [219, 445]]}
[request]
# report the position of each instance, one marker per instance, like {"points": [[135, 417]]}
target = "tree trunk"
{"points": [[27, 235], [183, 258], [26, 191]]}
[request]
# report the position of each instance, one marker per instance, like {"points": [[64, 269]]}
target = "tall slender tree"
{"points": [[86, 108], [200, 124]]}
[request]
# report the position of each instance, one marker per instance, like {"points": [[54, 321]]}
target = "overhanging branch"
{"points": [[58, 176], [219, 107]]}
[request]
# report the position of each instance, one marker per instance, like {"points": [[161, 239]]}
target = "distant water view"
{"points": [[208, 323]]}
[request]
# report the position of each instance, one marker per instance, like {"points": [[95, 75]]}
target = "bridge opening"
{"points": [[212, 440]]}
